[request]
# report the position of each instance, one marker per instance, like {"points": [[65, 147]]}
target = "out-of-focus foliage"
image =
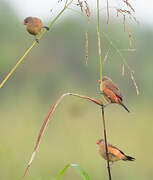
{"points": [[78, 168], [55, 66]]}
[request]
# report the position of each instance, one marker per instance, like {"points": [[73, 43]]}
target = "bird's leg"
{"points": [[99, 92], [47, 28], [106, 105], [37, 40], [111, 163]]}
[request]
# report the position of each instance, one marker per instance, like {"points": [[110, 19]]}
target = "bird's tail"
{"points": [[128, 158], [124, 106]]}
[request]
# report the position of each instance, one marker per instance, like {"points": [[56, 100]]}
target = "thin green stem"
{"points": [[34, 44], [17, 64], [101, 87], [99, 48]]}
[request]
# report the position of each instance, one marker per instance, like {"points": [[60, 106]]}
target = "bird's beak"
{"points": [[97, 142], [24, 23], [99, 81]]}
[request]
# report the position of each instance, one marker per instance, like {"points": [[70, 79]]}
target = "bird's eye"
{"points": [[26, 21]]}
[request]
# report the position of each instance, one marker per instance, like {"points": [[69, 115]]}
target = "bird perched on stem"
{"points": [[111, 92], [34, 26], [114, 154]]}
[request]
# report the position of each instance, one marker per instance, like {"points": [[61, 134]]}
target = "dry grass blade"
{"points": [[99, 46], [127, 12], [107, 12], [88, 11], [118, 51], [106, 56], [123, 11], [86, 49], [42, 130], [123, 70], [117, 12], [124, 61], [128, 50], [136, 20], [124, 23], [46, 121], [130, 37], [129, 5], [94, 100], [135, 84], [80, 3]]}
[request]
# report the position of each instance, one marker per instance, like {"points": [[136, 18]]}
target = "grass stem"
{"points": [[101, 84]]}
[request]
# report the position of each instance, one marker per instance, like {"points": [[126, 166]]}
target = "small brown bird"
{"points": [[114, 154], [111, 92], [34, 26]]}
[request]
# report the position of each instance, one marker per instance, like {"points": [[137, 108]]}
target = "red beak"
{"points": [[97, 142], [99, 81], [24, 23]]}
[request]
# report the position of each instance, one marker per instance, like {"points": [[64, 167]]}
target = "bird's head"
{"points": [[27, 20], [99, 141], [105, 78]]}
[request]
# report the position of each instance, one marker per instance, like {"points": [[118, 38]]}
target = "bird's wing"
{"points": [[113, 87], [113, 147]]}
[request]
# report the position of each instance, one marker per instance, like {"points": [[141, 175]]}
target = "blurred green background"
{"points": [[55, 66]]}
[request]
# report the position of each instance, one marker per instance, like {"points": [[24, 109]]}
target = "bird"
{"points": [[114, 154], [111, 92], [34, 26]]}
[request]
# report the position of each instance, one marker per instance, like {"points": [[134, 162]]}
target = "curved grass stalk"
{"points": [[46, 121], [34, 44]]}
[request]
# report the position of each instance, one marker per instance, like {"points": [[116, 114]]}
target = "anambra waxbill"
{"points": [[111, 92], [114, 154], [34, 25]]}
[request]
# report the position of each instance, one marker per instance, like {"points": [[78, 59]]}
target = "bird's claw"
{"points": [[37, 40], [47, 28]]}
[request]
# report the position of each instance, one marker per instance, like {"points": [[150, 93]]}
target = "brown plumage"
{"points": [[34, 25], [114, 154], [111, 92]]}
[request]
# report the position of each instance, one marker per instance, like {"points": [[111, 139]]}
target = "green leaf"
{"points": [[63, 171], [79, 169]]}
